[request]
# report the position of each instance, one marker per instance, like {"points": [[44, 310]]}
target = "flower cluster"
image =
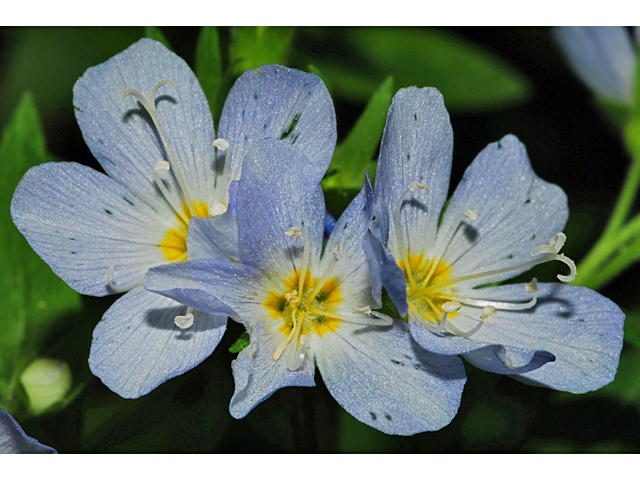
{"points": [[196, 228]]}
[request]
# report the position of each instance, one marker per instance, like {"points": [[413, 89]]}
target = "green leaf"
{"points": [[354, 156], [33, 297], [255, 46], [241, 343], [156, 34], [469, 77], [209, 68], [313, 69]]}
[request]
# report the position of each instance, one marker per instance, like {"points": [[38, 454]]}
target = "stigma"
{"points": [[432, 289], [309, 306]]}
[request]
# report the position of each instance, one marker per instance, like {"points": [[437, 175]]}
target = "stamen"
{"points": [[551, 251], [292, 298], [397, 223], [382, 320], [120, 289], [300, 354], [162, 167], [283, 345], [489, 313], [366, 310], [297, 232], [150, 106], [474, 302], [327, 274], [216, 208], [532, 287], [471, 215], [184, 321], [452, 306], [460, 333], [293, 359], [223, 145]]}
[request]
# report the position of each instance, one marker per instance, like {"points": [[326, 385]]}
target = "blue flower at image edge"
{"points": [[14, 440], [146, 120], [603, 57], [305, 306], [501, 221]]}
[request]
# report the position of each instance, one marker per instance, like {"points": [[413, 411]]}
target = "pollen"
{"points": [[317, 319], [427, 272], [174, 243]]}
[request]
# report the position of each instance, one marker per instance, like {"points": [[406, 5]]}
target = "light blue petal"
{"points": [[212, 286], [385, 271], [137, 346], [385, 380], [583, 329], [603, 58], [417, 145], [493, 357], [214, 237], [518, 212], [120, 133], [352, 270], [579, 327], [14, 440], [257, 375], [279, 190], [273, 101], [82, 222]]}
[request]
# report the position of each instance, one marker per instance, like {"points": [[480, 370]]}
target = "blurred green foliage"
{"points": [[363, 68], [469, 77], [34, 299]]}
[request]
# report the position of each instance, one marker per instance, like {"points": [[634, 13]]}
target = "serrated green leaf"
{"points": [[33, 297], [354, 156], [155, 33], [255, 46], [209, 68], [241, 343], [469, 77]]}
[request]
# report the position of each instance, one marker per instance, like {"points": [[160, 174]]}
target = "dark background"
{"points": [[570, 143]]}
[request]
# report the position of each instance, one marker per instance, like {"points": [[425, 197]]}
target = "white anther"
{"points": [[184, 321], [161, 167], [366, 310], [221, 144], [216, 207], [532, 287], [291, 297], [415, 185], [294, 232], [452, 306], [488, 313], [471, 214], [554, 245]]}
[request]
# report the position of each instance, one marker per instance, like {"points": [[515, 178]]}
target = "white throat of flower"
{"points": [[182, 203], [442, 291], [305, 309]]}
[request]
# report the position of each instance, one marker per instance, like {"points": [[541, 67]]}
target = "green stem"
{"points": [[592, 269]]}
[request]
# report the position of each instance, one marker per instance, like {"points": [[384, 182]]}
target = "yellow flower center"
{"points": [[421, 276], [309, 311], [174, 243]]}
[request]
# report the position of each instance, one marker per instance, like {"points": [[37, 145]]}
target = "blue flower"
{"points": [[304, 305], [501, 221], [14, 440], [147, 122], [603, 57]]}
